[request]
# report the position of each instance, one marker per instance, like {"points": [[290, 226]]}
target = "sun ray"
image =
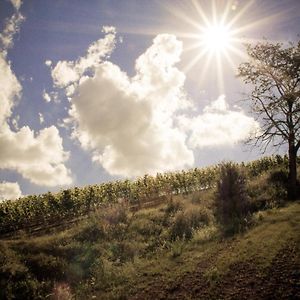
{"points": [[194, 61], [183, 17], [200, 12], [226, 12], [220, 79], [238, 52], [193, 47], [205, 67], [216, 34], [214, 12], [241, 13], [230, 60], [257, 23]]}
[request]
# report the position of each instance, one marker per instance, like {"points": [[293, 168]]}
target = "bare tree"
{"points": [[273, 71]]}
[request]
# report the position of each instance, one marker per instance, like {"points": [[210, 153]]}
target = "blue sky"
{"points": [[102, 90]]}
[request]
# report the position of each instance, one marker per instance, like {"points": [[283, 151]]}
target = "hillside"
{"points": [[168, 247]]}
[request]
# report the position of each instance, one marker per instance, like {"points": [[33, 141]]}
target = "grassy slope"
{"points": [[134, 259], [264, 263]]}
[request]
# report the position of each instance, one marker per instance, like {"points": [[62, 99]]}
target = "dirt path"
{"points": [[243, 281]]}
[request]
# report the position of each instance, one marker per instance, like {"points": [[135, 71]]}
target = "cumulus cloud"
{"points": [[38, 156], [127, 122], [123, 130], [67, 72], [9, 191], [218, 125], [10, 89], [135, 125]]}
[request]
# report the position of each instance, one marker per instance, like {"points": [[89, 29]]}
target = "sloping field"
{"points": [[133, 256]]}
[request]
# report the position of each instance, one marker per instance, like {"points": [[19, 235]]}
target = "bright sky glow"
{"points": [[216, 38], [107, 90]]}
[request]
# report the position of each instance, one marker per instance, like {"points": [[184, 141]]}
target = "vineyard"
{"points": [[50, 208]]}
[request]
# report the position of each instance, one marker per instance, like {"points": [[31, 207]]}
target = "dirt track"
{"points": [[243, 281]]}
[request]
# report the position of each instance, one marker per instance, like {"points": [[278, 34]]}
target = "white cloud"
{"points": [[9, 191], [48, 63], [135, 125], [38, 156], [46, 96], [123, 130], [10, 89], [67, 72], [218, 125], [127, 122], [16, 3], [11, 27]]}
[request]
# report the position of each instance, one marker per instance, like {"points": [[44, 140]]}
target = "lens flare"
{"points": [[216, 38]]}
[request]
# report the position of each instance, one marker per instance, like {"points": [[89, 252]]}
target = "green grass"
{"points": [[116, 253]]}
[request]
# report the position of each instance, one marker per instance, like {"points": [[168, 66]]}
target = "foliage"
{"points": [[111, 250], [273, 70], [268, 190], [40, 210], [231, 199], [188, 220]]}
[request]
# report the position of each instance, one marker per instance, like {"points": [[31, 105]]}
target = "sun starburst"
{"points": [[216, 34], [216, 38]]}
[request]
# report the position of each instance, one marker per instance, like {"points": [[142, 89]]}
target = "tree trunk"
{"points": [[292, 188]]}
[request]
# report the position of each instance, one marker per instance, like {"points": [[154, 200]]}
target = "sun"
{"points": [[216, 38], [213, 33]]}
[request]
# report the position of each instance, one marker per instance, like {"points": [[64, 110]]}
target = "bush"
{"points": [[181, 228], [198, 216], [16, 281], [268, 190], [122, 252], [45, 266], [116, 214], [279, 180], [146, 227], [231, 199], [173, 206], [80, 266], [188, 220], [92, 231]]}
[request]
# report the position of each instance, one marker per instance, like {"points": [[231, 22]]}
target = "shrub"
{"points": [[45, 266], [146, 227], [231, 199], [81, 265], [16, 281], [186, 221], [122, 252], [116, 214], [198, 216], [173, 206], [92, 231], [279, 180], [268, 190], [181, 228]]}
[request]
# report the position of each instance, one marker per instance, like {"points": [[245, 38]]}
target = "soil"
{"points": [[281, 280]]}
